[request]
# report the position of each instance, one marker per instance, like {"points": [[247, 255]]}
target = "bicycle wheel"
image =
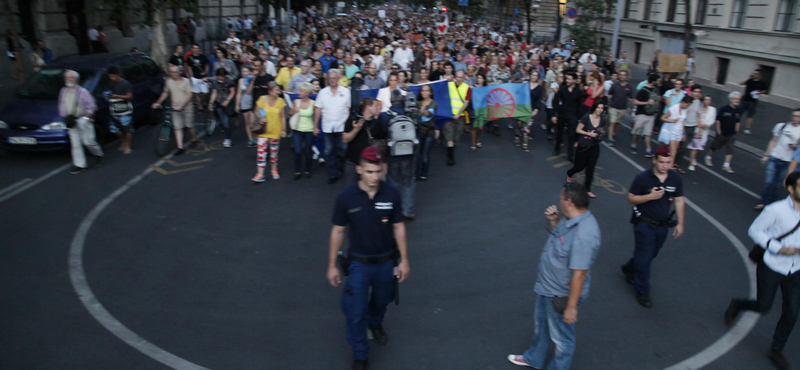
{"points": [[163, 140]]}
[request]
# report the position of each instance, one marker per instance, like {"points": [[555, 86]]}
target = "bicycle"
{"points": [[164, 133]]}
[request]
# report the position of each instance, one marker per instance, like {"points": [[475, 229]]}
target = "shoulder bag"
{"points": [[757, 253], [293, 121]]}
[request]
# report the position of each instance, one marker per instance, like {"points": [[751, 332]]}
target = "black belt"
{"points": [[376, 259]]}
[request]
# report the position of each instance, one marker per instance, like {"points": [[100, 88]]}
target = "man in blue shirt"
{"points": [[327, 60], [563, 280], [372, 210]]}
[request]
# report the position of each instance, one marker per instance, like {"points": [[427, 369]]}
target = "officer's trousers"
{"points": [[649, 241], [361, 309]]}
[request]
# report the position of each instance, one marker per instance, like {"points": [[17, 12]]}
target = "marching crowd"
{"points": [[307, 86]]}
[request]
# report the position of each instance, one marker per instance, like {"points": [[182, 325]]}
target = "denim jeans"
{"points": [[773, 178], [424, 156], [362, 309], [649, 241], [334, 148], [302, 150], [768, 282], [224, 121], [401, 176], [550, 328]]}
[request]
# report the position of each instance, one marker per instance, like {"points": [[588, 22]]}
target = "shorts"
{"points": [[670, 132], [184, 118], [726, 141], [121, 124], [643, 125], [199, 86], [453, 129], [615, 115], [748, 107]]}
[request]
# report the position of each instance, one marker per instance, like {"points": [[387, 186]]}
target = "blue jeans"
{"points": [[401, 176], [649, 241], [334, 147], [359, 308], [423, 159], [550, 328], [302, 150], [773, 178], [224, 121]]}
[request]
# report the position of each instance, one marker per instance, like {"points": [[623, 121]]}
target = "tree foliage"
{"points": [[474, 10], [592, 16]]}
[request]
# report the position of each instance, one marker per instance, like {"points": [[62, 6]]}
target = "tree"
{"points": [[474, 10], [592, 15]]}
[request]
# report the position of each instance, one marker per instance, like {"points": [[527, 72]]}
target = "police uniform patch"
{"points": [[385, 219]]}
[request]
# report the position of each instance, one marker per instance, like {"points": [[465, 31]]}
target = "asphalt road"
{"points": [[201, 263]]}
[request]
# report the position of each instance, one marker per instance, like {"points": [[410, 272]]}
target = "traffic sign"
{"points": [[571, 14]]}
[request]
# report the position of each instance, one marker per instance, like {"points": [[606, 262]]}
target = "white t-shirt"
{"points": [[335, 108], [93, 34], [248, 24], [675, 111], [788, 135], [230, 40]]}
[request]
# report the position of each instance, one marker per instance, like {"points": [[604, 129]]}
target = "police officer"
{"points": [[653, 192], [372, 209]]}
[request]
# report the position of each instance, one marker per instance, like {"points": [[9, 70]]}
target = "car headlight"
{"points": [[3, 125], [54, 126]]}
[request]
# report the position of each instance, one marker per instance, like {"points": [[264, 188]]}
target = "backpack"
{"points": [[402, 135], [651, 109]]}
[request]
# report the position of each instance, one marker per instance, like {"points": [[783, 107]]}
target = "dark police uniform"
{"points": [[651, 233], [371, 236]]}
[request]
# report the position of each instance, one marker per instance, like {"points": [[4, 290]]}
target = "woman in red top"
{"points": [[594, 91]]}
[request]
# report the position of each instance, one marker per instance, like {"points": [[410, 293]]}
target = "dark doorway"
{"points": [[26, 19], [76, 20], [722, 70]]}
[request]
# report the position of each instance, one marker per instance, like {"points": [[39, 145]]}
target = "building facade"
{"points": [[731, 38]]}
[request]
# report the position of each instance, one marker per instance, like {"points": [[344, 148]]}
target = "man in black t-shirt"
{"points": [[357, 132], [262, 79], [176, 59], [753, 88], [729, 121], [197, 71], [119, 97]]}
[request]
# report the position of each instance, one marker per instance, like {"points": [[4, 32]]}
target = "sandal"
{"points": [[591, 195], [516, 141], [478, 144], [525, 148], [474, 147], [569, 180], [678, 169]]}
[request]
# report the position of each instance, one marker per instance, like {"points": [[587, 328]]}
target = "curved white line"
{"points": [[747, 320]]}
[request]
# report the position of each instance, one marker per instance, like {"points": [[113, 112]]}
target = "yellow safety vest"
{"points": [[458, 96]]}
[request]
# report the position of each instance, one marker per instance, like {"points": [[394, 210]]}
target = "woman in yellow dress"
{"points": [[272, 114]]}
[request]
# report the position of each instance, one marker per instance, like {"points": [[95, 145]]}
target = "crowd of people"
{"points": [[307, 85]]}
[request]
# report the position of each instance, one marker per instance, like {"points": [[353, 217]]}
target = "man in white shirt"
{"points": [[333, 106], [785, 137], [232, 39], [403, 56], [588, 59], [775, 230], [248, 27]]}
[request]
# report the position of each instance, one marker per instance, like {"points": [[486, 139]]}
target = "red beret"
{"points": [[371, 153], [663, 151]]}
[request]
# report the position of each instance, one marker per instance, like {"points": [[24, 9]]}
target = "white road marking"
{"points": [[15, 185], [747, 320], [33, 183]]}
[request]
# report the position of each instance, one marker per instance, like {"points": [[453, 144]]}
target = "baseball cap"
{"points": [[371, 154]]}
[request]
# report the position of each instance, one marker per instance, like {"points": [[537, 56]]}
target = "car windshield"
{"points": [[47, 83]]}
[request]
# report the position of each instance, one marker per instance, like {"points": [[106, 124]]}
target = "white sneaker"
{"points": [[747, 131], [226, 143], [727, 169], [691, 168], [518, 360], [708, 162]]}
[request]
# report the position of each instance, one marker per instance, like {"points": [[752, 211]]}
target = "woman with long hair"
{"points": [[524, 131], [244, 102], [427, 130], [479, 122], [671, 132], [594, 91], [273, 115], [303, 135], [590, 129]]}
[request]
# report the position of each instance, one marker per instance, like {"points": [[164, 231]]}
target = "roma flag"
{"points": [[509, 100]]}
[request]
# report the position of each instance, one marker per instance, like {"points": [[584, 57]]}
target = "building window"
{"points": [[637, 52], [767, 73], [562, 7], [673, 7], [785, 15], [702, 7], [627, 8], [722, 70], [619, 47], [648, 6], [737, 18]]}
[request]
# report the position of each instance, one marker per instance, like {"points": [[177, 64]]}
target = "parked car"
{"points": [[30, 120]]}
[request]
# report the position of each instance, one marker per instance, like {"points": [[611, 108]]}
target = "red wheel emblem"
{"points": [[500, 104]]}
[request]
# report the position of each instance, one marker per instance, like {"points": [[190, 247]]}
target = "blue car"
{"points": [[30, 120]]}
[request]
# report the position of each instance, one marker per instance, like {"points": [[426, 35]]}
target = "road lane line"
{"points": [[15, 185], [33, 183], [746, 321]]}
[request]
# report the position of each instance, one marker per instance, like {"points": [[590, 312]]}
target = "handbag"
{"points": [[71, 120], [757, 253], [293, 120]]}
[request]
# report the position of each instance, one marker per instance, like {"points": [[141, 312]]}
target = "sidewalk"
{"points": [[767, 116]]}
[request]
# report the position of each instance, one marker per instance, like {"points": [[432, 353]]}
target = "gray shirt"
{"points": [[373, 83], [691, 113], [572, 245]]}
